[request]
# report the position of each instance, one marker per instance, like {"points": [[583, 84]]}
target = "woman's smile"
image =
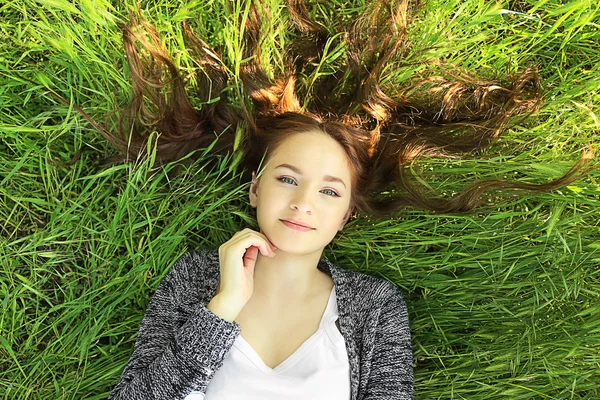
{"points": [[296, 227]]}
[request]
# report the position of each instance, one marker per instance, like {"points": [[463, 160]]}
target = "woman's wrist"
{"points": [[224, 307]]}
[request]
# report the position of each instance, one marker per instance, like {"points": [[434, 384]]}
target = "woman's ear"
{"points": [[253, 190], [346, 217]]}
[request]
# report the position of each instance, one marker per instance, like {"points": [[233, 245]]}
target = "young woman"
{"points": [[283, 323], [266, 316]]}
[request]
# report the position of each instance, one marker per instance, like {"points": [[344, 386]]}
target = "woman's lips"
{"points": [[296, 227]]}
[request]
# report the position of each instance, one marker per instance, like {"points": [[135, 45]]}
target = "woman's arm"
{"points": [[391, 376], [168, 363]]}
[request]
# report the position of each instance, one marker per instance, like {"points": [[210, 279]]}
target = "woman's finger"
{"points": [[250, 257], [252, 239]]}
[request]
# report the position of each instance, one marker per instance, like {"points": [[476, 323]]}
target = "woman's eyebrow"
{"points": [[327, 178]]}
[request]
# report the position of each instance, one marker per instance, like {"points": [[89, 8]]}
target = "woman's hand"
{"points": [[237, 258]]}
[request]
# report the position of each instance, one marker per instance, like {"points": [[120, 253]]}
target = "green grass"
{"points": [[503, 302]]}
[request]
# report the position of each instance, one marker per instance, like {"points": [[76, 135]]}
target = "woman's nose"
{"points": [[302, 201]]}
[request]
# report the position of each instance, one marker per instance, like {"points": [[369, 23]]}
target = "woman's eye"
{"points": [[285, 177], [334, 194], [290, 180]]}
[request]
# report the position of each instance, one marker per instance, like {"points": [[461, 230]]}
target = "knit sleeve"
{"points": [[391, 376], [170, 359]]}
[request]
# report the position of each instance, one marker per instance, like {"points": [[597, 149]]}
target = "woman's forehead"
{"points": [[311, 153]]}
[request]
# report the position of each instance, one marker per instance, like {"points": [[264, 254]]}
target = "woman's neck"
{"points": [[288, 276]]}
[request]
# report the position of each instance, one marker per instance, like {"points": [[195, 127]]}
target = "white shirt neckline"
{"points": [[248, 351]]}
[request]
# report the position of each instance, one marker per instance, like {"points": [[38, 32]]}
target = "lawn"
{"points": [[504, 301]]}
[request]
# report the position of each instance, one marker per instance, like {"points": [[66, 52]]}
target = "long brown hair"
{"points": [[382, 133]]}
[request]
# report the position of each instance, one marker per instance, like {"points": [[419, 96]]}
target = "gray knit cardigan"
{"points": [[181, 344]]}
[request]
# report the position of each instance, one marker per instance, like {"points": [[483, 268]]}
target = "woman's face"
{"points": [[306, 179]]}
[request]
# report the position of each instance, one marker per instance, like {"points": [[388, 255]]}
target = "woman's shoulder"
{"points": [[381, 289], [199, 259], [195, 271], [189, 264], [366, 286]]}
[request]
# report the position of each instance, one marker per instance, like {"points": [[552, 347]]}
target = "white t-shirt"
{"points": [[317, 370]]}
